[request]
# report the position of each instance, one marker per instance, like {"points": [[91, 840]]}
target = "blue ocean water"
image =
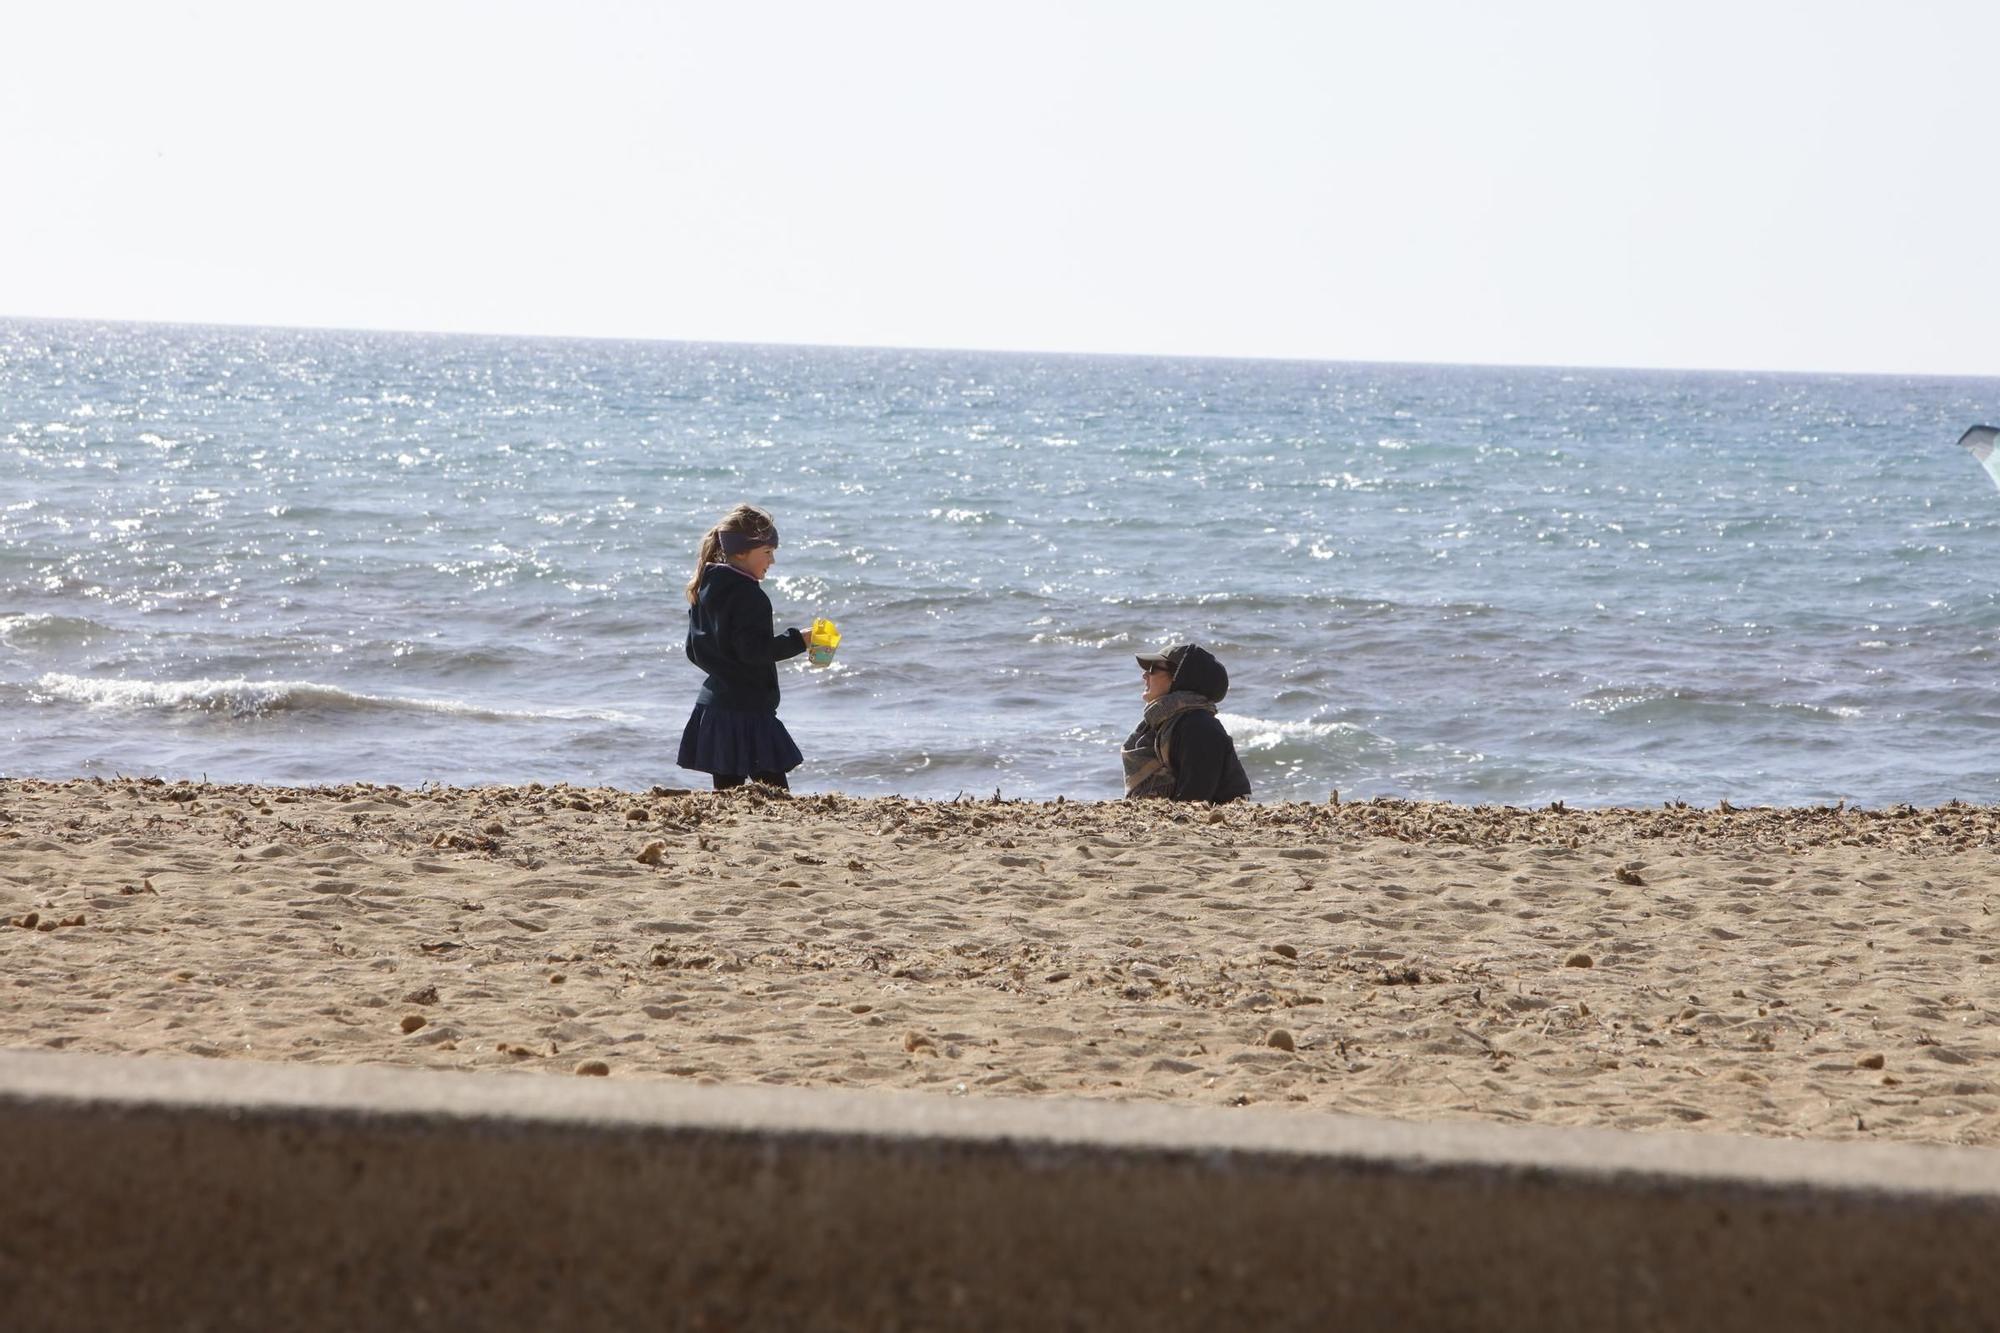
{"points": [[303, 557]]}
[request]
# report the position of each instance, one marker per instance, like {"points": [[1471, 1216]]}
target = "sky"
{"points": [[1751, 185]]}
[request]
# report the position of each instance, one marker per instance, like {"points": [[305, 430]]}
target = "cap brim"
{"points": [[1155, 660]]}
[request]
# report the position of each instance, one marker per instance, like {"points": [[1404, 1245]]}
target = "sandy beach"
{"points": [[1815, 973]]}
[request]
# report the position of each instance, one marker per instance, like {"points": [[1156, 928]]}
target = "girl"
{"points": [[734, 732]]}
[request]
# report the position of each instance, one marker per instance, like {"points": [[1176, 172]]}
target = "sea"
{"points": [[313, 557]]}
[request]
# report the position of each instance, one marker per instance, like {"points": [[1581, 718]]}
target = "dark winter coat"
{"points": [[730, 637]]}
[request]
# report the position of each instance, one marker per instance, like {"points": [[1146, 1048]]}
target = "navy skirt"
{"points": [[734, 744]]}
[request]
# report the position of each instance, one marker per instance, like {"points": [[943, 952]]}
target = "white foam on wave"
{"points": [[22, 624], [241, 697], [1611, 702], [1251, 733], [35, 628]]}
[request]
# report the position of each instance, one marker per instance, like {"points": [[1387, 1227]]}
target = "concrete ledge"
{"points": [[139, 1194]]}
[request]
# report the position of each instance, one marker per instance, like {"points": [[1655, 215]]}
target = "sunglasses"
{"points": [[1164, 671]]}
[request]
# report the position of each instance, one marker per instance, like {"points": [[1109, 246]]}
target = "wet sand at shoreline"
{"points": [[1807, 973]]}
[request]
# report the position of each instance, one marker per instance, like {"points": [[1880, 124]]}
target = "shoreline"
{"points": [[1336, 801], [1812, 972]]}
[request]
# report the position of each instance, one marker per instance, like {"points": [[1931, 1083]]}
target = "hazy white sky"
{"points": [[1748, 184]]}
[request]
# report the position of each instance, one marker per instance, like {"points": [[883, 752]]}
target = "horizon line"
{"points": [[1616, 368]]}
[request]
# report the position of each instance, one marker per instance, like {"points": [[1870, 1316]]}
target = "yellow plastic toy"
{"points": [[824, 639]]}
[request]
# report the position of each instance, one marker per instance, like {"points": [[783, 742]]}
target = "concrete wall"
{"points": [[155, 1194]]}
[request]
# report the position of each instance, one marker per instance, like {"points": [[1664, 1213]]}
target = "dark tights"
{"points": [[728, 781]]}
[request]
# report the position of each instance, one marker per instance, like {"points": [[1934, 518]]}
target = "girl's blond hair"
{"points": [[747, 519]]}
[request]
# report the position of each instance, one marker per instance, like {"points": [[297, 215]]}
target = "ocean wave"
{"points": [[1319, 604], [1085, 638], [1656, 705], [40, 629], [244, 698], [936, 601], [1251, 733], [900, 761]]}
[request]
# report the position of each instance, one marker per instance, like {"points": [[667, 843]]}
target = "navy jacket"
{"points": [[1204, 761], [729, 637]]}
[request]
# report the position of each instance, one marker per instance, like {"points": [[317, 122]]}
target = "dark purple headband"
{"points": [[739, 543]]}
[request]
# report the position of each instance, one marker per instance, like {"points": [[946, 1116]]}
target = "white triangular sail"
{"points": [[1981, 441]]}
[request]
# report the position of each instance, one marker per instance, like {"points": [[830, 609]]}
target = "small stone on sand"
{"points": [[594, 1068], [914, 1041], [1280, 1039], [653, 854], [1873, 1060], [1580, 960], [1285, 950], [411, 1022], [1629, 874]]}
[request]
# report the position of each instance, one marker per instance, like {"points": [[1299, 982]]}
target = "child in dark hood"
{"points": [[1179, 750], [734, 733]]}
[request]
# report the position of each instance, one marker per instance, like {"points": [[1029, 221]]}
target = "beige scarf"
{"points": [[1148, 769]]}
